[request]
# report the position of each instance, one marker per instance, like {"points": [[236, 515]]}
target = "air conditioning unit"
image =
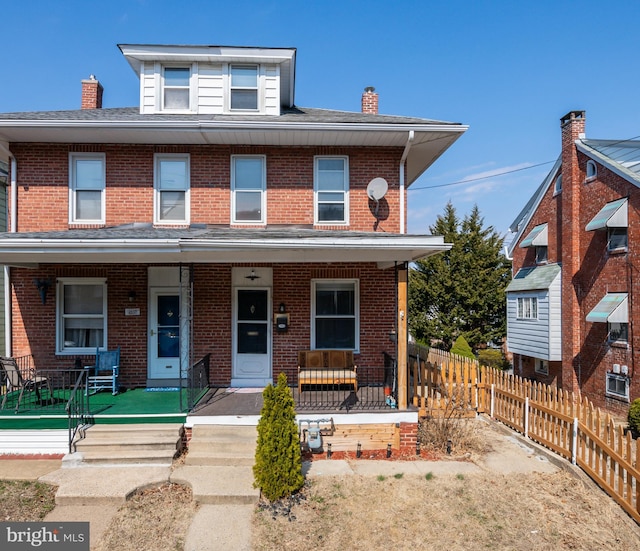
{"points": [[616, 369], [624, 369]]}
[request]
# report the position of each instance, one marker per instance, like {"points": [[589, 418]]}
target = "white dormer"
{"points": [[213, 80]]}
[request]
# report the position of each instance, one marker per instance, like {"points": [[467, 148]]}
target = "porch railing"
{"points": [[374, 392], [77, 407], [195, 384]]}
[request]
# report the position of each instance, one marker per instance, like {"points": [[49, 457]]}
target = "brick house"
{"points": [[570, 306], [184, 226]]}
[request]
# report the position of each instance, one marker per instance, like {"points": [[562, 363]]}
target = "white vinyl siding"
{"points": [[210, 88], [541, 337]]}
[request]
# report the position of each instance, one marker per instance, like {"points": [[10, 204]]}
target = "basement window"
{"points": [[617, 386]]}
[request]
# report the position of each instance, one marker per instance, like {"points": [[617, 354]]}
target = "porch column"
{"points": [[403, 303]]}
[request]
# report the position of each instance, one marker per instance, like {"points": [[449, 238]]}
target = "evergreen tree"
{"points": [[278, 467], [461, 291], [461, 348]]}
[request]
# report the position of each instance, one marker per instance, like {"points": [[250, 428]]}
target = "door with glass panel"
{"points": [[252, 339], [164, 334]]}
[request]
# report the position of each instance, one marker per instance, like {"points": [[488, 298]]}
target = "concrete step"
{"points": [[127, 457], [129, 444], [219, 445], [218, 485]]}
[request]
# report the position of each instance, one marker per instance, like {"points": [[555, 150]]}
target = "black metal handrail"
{"points": [[197, 382], [77, 407]]}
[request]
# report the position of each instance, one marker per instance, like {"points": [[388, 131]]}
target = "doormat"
{"points": [[245, 390], [162, 389]]}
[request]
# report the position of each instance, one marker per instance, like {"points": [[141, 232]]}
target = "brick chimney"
{"points": [[91, 93], [370, 101], [572, 231]]}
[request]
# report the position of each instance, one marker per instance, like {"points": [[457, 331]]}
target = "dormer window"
{"points": [[244, 87], [175, 90], [592, 171]]}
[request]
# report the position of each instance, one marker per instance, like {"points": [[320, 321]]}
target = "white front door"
{"points": [[252, 338], [164, 334]]}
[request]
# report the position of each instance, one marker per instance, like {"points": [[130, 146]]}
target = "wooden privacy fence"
{"points": [[570, 425]]}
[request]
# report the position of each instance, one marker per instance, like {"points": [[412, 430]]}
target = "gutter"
{"points": [[403, 160], [7, 271]]}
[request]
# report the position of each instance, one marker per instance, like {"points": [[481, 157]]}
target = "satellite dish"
{"points": [[377, 189]]}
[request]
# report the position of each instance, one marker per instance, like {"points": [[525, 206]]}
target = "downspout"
{"points": [[405, 154], [12, 228]]}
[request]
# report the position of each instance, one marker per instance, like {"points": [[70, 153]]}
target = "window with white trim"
{"points": [[617, 239], [617, 386], [243, 87], [171, 189], [331, 190], [81, 315], [617, 332], [87, 188], [527, 308], [335, 306], [176, 89], [248, 189]]}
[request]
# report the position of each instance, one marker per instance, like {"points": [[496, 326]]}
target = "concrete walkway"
{"points": [[226, 493]]}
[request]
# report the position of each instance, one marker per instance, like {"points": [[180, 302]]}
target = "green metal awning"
{"points": [[612, 308], [534, 278], [538, 237], [612, 215]]}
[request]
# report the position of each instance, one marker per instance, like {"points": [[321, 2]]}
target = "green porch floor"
{"points": [[132, 406]]}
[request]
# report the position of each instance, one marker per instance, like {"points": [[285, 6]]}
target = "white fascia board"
{"points": [[617, 168]]}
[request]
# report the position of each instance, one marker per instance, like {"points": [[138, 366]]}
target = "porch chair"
{"points": [[16, 381], [104, 374]]}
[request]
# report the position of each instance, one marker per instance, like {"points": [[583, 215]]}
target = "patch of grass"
{"points": [[460, 476], [381, 478], [25, 501], [428, 476], [398, 476]]}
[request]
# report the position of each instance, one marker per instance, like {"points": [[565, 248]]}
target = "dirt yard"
{"points": [[484, 510]]}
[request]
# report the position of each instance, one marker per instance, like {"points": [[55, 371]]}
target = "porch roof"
{"points": [[136, 243]]}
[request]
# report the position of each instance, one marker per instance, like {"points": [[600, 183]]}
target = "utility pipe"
{"points": [[405, 154], [12, 228]]}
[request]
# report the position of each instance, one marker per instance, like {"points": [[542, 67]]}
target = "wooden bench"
{"points": [[327, 367]]}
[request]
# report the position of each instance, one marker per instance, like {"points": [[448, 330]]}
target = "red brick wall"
{"points": [[588, 272], [43, 180], [34, 323]]}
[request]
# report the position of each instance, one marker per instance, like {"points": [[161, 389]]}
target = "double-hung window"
{"points": [[87, 188], [335, 314], [171, 196], [527, 308], [617, 386], [81, 315], [248, 189], [331, 190], [175, 88], [244, 87]]}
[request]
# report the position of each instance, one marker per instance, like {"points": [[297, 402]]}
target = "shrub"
{"points": [[278, 467], [492, 357], [461, 348], [634, 416]]}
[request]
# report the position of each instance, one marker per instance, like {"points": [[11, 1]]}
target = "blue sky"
{"points": [[508, 69]]}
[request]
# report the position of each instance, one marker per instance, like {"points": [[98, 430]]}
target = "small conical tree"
{"points": [[278, 467], [461, 348]]}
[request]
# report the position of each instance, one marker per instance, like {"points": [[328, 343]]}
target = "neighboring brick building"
{"points": [[571, 311], [183, 227]]}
